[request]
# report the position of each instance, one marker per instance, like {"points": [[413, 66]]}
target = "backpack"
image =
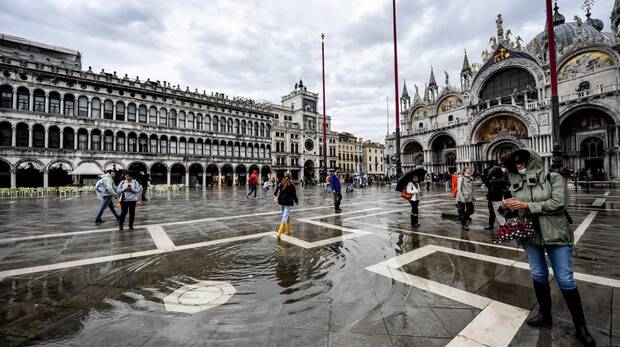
{"points": [[100, 187], [455, 185]]}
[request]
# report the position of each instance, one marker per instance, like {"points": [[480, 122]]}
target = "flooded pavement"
{"points": [[360, 278]]}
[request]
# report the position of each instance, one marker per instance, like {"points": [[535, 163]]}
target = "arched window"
{"points": [[173, 122], [262, 130], [142, 114], [39, 100], [592, 148], [132, 141], [131, 113], [223, 125], [507, 83], [69, 101], [199, 121], [95, 140], [190, 120], [268, 130], [53, 137], [143, 146], [153, 142], [216, 123], [152, 115], [237, 126], [6, 134], [243, 123], [181, 120], [82, 139], [173, 145], [191, 147], [163, 116], [23, 99], [22, 135], [199, 147], [163, 145], [256, 129], [120, 142], [83, 106], [250, 128], [182, 146], [120, 111], [95, 108], [6, 96], [207, 122], [230, 126], [421, 125], [450, 118], [38, 136], [68, 136], [450, 159], [54, 106], [108, 141], [108, 106]]}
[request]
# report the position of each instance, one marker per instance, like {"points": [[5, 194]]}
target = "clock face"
{"points": [[309, 144]]}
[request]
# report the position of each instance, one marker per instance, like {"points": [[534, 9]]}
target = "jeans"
{"points": [[500, 219], [561, 262], [252, 190], [286, 213], [337, 200], [127, 206], [106, 201], [144, 188]]}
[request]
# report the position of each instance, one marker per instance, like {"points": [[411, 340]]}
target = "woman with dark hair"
{"points": [[286, 197], [544, 198]]}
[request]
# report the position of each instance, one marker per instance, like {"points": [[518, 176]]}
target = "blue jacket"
{"points": [[334, 183]]}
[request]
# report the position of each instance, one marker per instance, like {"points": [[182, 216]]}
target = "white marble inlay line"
{"points": [[161, 239], [581, 229]]}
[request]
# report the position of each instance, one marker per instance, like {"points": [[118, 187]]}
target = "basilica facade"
{"points": [[504, 103]]}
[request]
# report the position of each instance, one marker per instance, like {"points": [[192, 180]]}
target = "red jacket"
{"points": [[253, 180]]}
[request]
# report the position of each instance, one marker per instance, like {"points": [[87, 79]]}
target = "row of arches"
{"points": [[33, 173], [93, 107], [39, 136]]}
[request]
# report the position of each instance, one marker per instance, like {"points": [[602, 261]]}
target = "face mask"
{"points": [[504, 170], [523, 171]]}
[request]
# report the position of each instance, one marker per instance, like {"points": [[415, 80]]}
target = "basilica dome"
{"points": [[566, 34]]}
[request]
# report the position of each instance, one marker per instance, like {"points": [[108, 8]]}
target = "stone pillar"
{"points": [[114, 143], [30, 102], [89, 113], [219, 176], [30, 136], [88, 140], [113, 110], [15, 100], [14, 136], [62, 104], [45, 179], [62, 139], [187, 178], [204, 180], [75, 140], [168, 177], [47, 104], [13, 178], [46, 140]]}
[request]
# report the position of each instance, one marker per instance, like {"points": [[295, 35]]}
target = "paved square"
{"points": [[363, 277]]}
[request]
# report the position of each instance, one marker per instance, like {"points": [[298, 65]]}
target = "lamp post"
{"points": [[396, 108], [556, 161], [324, 115]]}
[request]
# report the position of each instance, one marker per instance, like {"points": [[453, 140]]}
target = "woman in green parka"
{"points": [[545, 197]]}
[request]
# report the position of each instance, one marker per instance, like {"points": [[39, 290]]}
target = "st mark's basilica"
{"points": [[504, 103]]}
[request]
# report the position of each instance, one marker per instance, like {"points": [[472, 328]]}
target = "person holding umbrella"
{"points": [[409, 187]]}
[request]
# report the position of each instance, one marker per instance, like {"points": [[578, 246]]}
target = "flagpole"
{"points": [[556, 161], [399, 170], [324, 114]]}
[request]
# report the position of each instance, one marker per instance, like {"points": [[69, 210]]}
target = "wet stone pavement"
{"points": [[205, 269]]}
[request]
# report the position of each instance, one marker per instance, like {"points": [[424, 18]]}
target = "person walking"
{"points": [[465, 197], [129, 188], [104, 188], [413, 188], [253, 183], [143, 179], [286, 197], [334, 186], [545, 197]]}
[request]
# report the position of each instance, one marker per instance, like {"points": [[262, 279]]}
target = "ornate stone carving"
{"points": [[520, 113]]}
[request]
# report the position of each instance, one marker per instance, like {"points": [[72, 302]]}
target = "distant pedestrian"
{"points": [[253, 184], [413, 188], [334, 186], [544, 197], [129, 188], [266, 185], [286, 197], [465, 197], [105, 190], [498, 190], [144, 179], [428, 178]]}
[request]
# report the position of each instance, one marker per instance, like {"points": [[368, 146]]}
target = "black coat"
{"points": [[286, 196], [497, 186]]}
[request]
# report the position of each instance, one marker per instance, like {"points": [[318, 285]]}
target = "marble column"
{"points": [[14, 136], [62, 139], [204, 181], [13, 178], [15, 100], [46, 140], [219, 176], [30, 102], [47, 104], [45, 179], [75, 140], [62, 104], [30, 136], [88, 141], [187, 178], [168, 177]]}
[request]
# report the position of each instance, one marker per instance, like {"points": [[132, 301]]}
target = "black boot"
{"points": [[543, 295], [573, 301]]}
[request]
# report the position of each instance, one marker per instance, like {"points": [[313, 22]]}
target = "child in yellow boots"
{"points": [[286, 197]]}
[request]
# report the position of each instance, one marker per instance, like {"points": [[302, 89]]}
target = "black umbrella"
{"points": [[408, 177]]}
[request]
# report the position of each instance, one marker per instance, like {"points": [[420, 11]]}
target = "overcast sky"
{"points": [[259, 49]]}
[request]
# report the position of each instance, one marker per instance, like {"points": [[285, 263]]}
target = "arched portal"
{"points": [[137, 167], [500, 126], [212, 174], [5, 174], [443, 153], [177, 174], [159, 174], [29, 174], [253, 168], [227, 173], [195, 175], [413, 154], [58, 175], [588, 134], [309, 171], [265, 172], [242, 173]]}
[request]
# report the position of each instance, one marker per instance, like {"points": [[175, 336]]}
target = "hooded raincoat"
{"points": [[547, 197]]}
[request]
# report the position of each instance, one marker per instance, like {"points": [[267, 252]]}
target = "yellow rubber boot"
{"points": [[280, 230], [289, 230]]}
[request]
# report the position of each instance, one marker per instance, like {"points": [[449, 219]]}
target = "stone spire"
{"points": [[432, 83], [405, 92], [426, 93], [466, 65], [558, 18]]}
